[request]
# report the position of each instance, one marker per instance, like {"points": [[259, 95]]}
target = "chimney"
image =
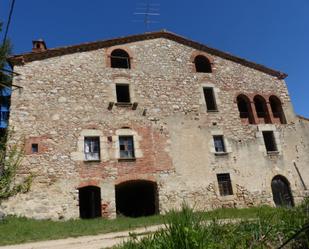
{"points": [[38, 46]]}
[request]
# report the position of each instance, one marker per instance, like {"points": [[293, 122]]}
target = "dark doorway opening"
{"points": [[89, 202], [136, 198], [282, 195]]}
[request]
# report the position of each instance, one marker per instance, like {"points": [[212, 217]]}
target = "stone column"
{"points": [[270, 113]]}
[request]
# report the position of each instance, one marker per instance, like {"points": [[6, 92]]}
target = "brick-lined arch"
{"points": [[200, 53], [262, 109], [87, 183], [270, 114], [245, 109], [276, 109], [122, 47], [137, 197], [135, 177]]}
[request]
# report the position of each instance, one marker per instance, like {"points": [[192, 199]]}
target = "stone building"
{"points": [[138, 125]]}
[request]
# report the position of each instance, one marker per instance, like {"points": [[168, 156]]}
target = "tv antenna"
{"points": [[149, 11]]}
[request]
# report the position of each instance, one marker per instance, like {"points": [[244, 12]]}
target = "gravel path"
{"points": [[85, 242]]}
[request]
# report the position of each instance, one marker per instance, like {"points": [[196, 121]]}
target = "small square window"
{"points": [[123, 93], [269, 141], [225, 184], [210, 99], [126, 147], [34, 148], [92, 148], [219, 144]]}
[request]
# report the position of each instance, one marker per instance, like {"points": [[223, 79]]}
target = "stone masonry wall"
{"points": [[65, 98]]}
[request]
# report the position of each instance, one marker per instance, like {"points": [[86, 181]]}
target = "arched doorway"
{"points": [[282, 195], [136, 198], [89, 202]]}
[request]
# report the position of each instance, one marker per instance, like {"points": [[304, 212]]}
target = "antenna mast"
{"points": [[149, 11]]}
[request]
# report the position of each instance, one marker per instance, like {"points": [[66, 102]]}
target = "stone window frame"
{"points": [[124, 81], [202, 101], [260, 139], [79, 155], [228, 147], [136, 141], [85, 153]]}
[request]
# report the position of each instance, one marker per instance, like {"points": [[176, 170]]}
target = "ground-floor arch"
{"points": [[89, 202], [281, 190], [136, 198]]}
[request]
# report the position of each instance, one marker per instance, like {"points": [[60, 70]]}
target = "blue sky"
{"points": [[274, 33]]}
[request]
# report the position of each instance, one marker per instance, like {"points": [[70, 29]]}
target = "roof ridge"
{"points": [[23, 58]]}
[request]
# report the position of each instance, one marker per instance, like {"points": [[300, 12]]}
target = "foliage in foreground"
{"points": [[10, 161], [189, 230], [10, 156], [15, 230]]}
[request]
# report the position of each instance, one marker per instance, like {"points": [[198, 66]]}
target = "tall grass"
{"points": [[189, 230], [14, 230]]}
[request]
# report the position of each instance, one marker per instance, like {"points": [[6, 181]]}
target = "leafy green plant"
{"points": [[11, 156]]}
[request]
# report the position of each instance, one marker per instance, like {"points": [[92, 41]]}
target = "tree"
{"points": [[11, 153]]}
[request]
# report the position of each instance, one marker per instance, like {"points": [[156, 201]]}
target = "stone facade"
{"points": [[68, 97]]}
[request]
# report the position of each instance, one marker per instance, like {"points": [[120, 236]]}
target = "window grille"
{"points": [[225, 184]]}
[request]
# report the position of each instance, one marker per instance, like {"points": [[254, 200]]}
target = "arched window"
{"points": [[202, 64], [281, 190], [261, 109], [244, 108], [120, 59], [277, 110]]}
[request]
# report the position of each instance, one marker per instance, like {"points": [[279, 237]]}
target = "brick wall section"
{"points": [[64, 95]]}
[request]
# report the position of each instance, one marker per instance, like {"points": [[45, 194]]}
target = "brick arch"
{"points": [[275, 96], [277, 111], [135, 177], [247, 95], [262, 109], [244, 106], [196, 53], [87, 183], [122, 47]]}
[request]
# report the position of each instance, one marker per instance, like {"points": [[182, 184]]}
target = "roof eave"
{"points": [[33, 56]]}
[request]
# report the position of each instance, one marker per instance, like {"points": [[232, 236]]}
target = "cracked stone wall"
{"points": [[65, 98]]}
